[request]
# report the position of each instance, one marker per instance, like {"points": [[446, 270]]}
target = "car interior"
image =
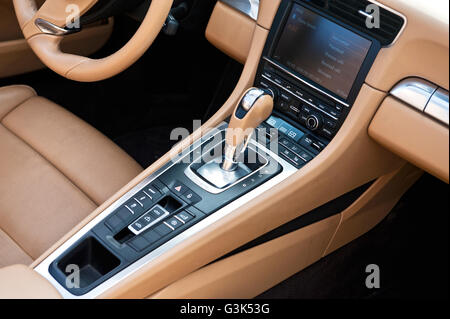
{"points": [[204, 149]]}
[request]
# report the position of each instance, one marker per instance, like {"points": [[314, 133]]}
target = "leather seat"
{"points": [[55, 169]]}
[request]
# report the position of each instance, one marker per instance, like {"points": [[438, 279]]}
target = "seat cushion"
{"points": [[55, 169]]}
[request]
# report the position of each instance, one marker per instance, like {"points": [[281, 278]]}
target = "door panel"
{"points": [[9, 28]]}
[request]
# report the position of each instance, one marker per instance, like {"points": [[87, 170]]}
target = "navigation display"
{"points": [[321, 50]]}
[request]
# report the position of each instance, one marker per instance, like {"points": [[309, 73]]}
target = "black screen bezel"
{"points": [[274, 38]]}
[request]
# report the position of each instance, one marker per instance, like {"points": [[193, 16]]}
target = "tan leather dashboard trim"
{"points": [[253, 271], [413, 136], [421, 50], [230, 31], [267, 12], [374, 205]]}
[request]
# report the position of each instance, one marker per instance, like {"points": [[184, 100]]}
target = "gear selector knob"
{"points": [[255, 106]]}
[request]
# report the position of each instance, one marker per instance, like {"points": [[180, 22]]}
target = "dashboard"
{"points": [[318, 54]]}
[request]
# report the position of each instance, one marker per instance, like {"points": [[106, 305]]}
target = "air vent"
{"points": [[348, 11]]}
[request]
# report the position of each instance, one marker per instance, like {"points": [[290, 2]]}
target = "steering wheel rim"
{"points": [[47, 46]]}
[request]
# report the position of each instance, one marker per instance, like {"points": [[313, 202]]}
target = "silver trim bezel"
{"points": [[252, 11], [415, 92], [137, 232], [52, 29], [438, 106], [189, 172], [423, 96]]}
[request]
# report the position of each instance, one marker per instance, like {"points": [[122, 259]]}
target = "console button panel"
{"points": [[153, 216], [295, 145], [311, 112], [158, 212]]}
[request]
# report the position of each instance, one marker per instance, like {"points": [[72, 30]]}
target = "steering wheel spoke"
{"points": [[45, 27], [55, 17]]}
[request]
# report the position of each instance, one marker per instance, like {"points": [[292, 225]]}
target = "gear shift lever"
{"points": [[221, 171], [255, 106]]}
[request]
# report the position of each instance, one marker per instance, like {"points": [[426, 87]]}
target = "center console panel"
{"points": [[161, 210]]}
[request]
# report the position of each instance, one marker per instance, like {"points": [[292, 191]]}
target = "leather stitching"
{"points": [[16, 106], [17, 244]]}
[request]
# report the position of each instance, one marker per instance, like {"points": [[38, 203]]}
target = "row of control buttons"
{"points": [[309, 142], [326, 126], [270, 74], [149, 237], [132, 209], [309, 111], [294, 153], [285, 128], [147, 220], [312, 144], [184, 192]]}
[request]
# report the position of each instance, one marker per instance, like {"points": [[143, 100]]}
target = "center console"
{"points": [[311, 71]]}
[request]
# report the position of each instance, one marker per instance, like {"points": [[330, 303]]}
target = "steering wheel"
{"points": [[45, 28]]}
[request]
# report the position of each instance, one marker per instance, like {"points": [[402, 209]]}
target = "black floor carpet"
{"points": [[148, 145], [410, 247]]}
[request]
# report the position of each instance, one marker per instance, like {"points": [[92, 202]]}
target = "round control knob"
{"points": [[274, 92], [313, 122]]}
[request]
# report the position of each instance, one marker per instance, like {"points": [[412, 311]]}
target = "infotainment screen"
{"points": [[321, 50]]}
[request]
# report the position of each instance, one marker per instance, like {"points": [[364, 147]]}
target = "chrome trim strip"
{"points": [[165, 223], [298, 97], [438, 106], [247, 7], [137, 232], [43, 267], [365, 14], [425, 97], [132, 213], [415, 92], [182, 221], [52, 29], [305, 82]]}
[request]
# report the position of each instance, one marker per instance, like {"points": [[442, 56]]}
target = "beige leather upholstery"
{"points": [[22, 282], [413, 136], [54, 170]]}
